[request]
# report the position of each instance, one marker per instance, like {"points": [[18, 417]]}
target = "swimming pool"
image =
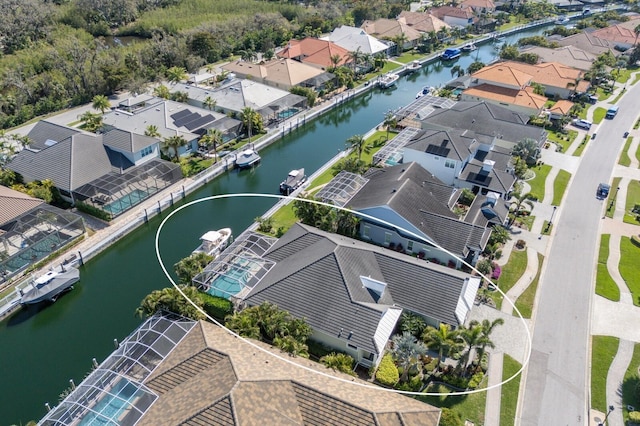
{"points": [[125, 203], [289, 112], [109, 409], [234, 279]]}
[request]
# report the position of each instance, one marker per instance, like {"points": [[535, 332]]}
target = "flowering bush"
{"points": [[496, 272]]}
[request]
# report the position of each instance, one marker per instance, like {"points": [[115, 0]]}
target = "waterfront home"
{"points": [[479, 6], [570, 56], [560, 110], [460, 17], [357, 40], [30, 230], [559, 81], [173, 371], [522, 101], [233, 95], [393, 29], [352, 293], [589, 43], [424, 22], [112, 171], [316, 52], [411, 211], [281, 73]]}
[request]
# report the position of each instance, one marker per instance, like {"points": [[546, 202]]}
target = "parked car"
{"points": [[603, 191], [625, 134], [593, 136]]}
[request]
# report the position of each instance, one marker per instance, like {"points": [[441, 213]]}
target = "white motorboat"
{"points": [[388, 80], [562, 20], [450, 54], [414, 66], [294, 179], [213, 242], [469, 47], [426, 90], [247, 158], [48, 287]]}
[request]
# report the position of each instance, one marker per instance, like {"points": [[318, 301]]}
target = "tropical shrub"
{"points": [[387, 373], [475, 381], [217, 307], [450, 418], [339, 362], [634, 416], [413, 385]]}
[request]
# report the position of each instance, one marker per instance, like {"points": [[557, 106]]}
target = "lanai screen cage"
{"points": [[283, 108], [391, 153], [34, 235], [115, 193], [115, 393], [238, 269], [341, 188]]}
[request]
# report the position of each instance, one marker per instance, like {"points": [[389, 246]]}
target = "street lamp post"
{"points": [[606, 416], [614, 198], [551, 219]]}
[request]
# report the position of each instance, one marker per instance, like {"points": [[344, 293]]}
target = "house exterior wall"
{"points": [[457, 22], [560, 92], [138, 158], [436, 165], [342, 344]]}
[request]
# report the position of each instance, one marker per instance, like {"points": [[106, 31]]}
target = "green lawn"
{"points": [[509, 399], [633, 198], [631, 383], [629, 267], [638, 155], [526, 299], [283, 218], [537, 183], [511, 273], [194, 165], [407, 57], [559, 186], [602, 95], [610, 210], [624, 74], [604, 349], [636, 78], [605, 285], [564, 141], [598, 115], [578, 151], [469, 407], [624, 156], [388, 66]]}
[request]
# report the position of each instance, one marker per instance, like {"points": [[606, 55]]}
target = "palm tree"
{"points": [[91, 122], [441, 339], [152, 130], [457, 69], [162, 91], [407, 353], [399, 40], [248, 117], [356, 142], [335, 60], [212, 138], [487, 328], [527, 149], [356, 58], [209, 103], [390, 121], [170, 299], [173, 144], [471, 337], [243, 324], [101, 103], [191, 266], [412, 323], [519, 205], [176, 74]]}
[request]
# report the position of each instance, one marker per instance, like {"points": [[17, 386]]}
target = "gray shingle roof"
{"points": [[498, 179], [484, 118], [45, 130], [317, 276], [453, 143], [124, 141], [70, 163], [453, 234]]}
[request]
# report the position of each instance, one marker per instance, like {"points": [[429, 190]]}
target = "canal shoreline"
{"points": [[102, 239]]}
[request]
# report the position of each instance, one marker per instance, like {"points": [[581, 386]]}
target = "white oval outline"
{"points": [[247, 341]]}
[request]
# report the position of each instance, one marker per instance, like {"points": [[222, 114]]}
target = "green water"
{"points": [[42, 351]]}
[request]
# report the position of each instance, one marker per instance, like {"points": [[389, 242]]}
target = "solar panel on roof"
{"points": [[186, 119], [180, 114], [440, 151], [200, 122]]}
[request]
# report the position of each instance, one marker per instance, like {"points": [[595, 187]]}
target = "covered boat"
{"points": [[48, 287], [247, 158], [294, 179], [213, 242]]}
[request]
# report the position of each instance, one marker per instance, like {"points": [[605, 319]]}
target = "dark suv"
{"points": [[603, 191]]}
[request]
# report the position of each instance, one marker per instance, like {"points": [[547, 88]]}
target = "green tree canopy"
{"points": [[170, 299]]}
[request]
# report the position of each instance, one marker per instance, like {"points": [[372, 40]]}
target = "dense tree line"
{"points": [[55, 55]]}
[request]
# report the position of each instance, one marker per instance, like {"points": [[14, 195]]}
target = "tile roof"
{"points": [[454, 12], [44, 131], [390, 28], [15, 203], [317, 276], [480, 4], [353, 39], [70, 163], [551, 74], [563, 106], [423, 21], [523, 98], [484, 118], [281, 71], [589, 43], [503, 74], [616, 34], [571, 56], [125, 141], [315, 51], [247, 386]]}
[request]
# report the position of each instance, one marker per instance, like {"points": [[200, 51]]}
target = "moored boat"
{"points": [[247, 158], [294, 179], [48, 287], [426, 90], [213, 242], [388, 80], [469, 47], [562, 19], [414, 66], [451, 54]]}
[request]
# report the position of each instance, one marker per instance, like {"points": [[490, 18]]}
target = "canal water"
{"points": [[41, 351]]}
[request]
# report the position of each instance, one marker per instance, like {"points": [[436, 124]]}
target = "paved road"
{"points": [[556, 385]]}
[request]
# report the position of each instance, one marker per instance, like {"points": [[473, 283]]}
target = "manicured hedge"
{"points": [[217, 307], [387, 373]]}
